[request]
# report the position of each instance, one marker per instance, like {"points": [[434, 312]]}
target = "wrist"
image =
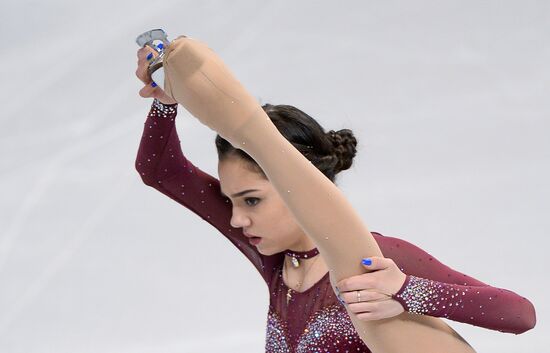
{"points": [[163, 109], [416, 295], [167, 103]]}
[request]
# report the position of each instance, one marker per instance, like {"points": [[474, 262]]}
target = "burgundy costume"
{"points": [[314, 320]]}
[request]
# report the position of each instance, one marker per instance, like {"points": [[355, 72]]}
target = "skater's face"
{"points": [[261, 213]]}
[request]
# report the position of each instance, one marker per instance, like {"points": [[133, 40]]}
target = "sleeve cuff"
{"points": [[416, 295], [163, 110]]}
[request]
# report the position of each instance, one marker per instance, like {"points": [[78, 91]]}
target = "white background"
{"points": [[449, 101]]}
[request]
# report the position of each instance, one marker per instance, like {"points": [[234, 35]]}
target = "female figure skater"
{"points": [[289, 211]]}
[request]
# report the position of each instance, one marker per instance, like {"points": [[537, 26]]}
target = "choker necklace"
{"points": [[295, 255]]}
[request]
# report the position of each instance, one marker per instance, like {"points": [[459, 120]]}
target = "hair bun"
{"points": [[329, 151], [345, 147]]}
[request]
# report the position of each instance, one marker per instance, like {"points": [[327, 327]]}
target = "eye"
{"points": [[252, 199]]}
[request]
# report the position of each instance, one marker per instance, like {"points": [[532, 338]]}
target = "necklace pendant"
{"points": [[288, 296], [295, 262]]}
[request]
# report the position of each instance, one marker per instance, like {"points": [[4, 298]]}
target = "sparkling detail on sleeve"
{"points": [[457, 296], [163, 110], [423, 296]]}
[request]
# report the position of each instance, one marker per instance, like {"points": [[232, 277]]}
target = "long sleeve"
{"points": [[433, 288], [163, 166]]}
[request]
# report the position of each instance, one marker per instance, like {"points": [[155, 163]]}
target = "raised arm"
{"points": [[163, 166], [197, 78]]}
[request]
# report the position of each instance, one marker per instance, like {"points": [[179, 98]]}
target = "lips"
{"points": [[248, 235], [252, 239], [255, 240]]}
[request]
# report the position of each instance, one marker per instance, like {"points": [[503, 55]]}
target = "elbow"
{"points": [[530, 319], [527, 320], [145, 175]]}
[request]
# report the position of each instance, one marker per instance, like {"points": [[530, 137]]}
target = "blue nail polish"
{"points": [[153, 84], [160, 46], [367, 262], [150, 56]]}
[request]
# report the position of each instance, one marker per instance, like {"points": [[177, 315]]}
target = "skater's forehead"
{"points": [[236, 179], [240, 193]]}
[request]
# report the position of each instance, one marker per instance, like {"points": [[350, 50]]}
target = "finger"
{"points": [[372, 316], [383, 310], [364, 281], [142, 73], [369, 316], [363, 307], [148, 91], [377, 263], [145, 52], [145, 55], [366, 296]]}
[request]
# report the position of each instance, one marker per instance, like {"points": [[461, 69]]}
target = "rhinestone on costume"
{"points": [[424, 296], [324, 330], [276, 334], [328, 330], [161, 109]]}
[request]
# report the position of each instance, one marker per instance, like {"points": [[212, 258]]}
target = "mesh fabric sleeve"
{"points": [[433, 288], [163, 166], [198, 79]]}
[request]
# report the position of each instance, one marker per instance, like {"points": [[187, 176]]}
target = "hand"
{"points": [[376, 289], [143, 75]]}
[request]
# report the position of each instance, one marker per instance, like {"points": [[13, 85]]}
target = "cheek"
{"points": [[277, 222], [284, 225]]}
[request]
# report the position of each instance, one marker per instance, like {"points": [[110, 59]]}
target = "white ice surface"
{"points": [[449, 101]]}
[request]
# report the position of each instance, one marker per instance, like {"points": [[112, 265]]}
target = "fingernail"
{"points": [[153, 84], [367, 262], [150, 56], [160, 46]]}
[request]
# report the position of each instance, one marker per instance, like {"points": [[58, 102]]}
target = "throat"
{"points": [[304, 277]]}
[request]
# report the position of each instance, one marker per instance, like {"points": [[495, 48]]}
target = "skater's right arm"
{"points": [[163, 166]]}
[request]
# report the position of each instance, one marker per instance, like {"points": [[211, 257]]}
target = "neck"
{"points": [[304, 243], [309, 271]]}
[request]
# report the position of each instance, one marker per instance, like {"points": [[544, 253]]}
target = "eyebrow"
{"points": [[240, 193]]}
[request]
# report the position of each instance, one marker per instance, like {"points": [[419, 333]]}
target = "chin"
{"points": [[267, 252], [264, 252]]}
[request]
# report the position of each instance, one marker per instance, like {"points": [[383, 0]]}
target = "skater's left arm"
{"points": [[433, 288]]}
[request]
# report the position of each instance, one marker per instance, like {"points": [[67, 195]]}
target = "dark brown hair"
{"points": [[330, 152]]}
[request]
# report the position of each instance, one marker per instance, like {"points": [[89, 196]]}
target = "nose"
{"points": [[239, 220]]}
